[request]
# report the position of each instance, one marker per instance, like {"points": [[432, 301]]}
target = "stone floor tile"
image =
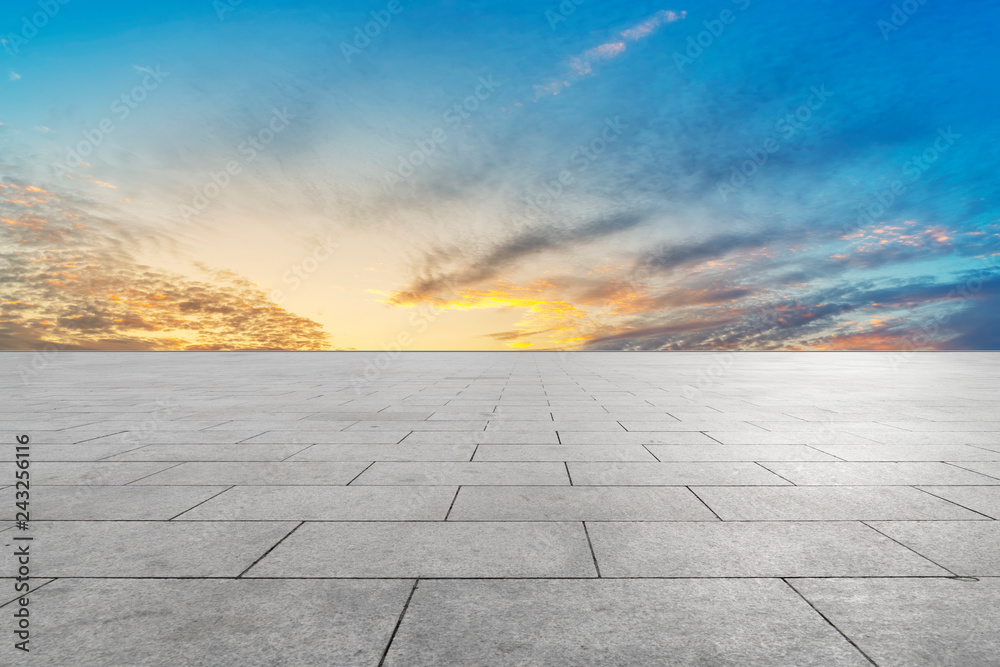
{"points": [[311, 437], [456, 474], [209, 453], [967, 548], [146, 548], [829, 503], [578, 503], [326, 503], [167, 622], [752, 549], [984, 499], [431, 549], [738, 453], [876, 473], [115, 503], [563, 453], [913, 622], [401, 452], [44, 473], [876, 452], [254, 473], [615, 622], [671, 474], [640, 438]]}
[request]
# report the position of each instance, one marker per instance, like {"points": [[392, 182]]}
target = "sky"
{"points": [[499, 175]]}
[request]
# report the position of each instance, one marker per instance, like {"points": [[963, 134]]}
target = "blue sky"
{"points": [[500, 175]]}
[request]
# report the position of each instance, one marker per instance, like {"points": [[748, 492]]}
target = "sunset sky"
{"points": [[499, 175]]}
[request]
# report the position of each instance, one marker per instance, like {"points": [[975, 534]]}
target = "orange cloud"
{"points": [[110, 301]]}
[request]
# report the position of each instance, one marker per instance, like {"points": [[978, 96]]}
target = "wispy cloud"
{"points": [[582, 65]]}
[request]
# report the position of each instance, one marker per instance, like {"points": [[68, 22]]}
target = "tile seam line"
{"points": [[399, 622], [957, 504], [778, 474], [831, 624], [956, 465], [593, 554], [702, 500], [214, 495], [272, 548], [179, 463], [906, 546]]}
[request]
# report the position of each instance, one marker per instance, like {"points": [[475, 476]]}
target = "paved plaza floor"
{"points": [[504, 508]]}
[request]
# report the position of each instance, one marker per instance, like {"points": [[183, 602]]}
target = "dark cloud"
{"points": [[502, 255]]}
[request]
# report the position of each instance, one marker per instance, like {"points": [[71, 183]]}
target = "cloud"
{"points": [[14, 76], [583, 64], [476, 269], [71, 280]]}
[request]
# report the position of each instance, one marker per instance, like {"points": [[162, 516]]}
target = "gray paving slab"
{"points": [[671, 473], [761, 437], [752, 549], [483, 437], [615, 622], [829, 503], [984, 499], [419, 425], [703, 425], [562, 426], [114, 503], [146, 548], [401, 452], [563, 453], [738, 453], [431, 549], [989, 468], [459, 473], [642, 438], [955, 425], [367, 416], [936, 438], [176, 437], [578, 503], [78, 452], [310, 437], [326, 503], [913, 622], [876, 473], [966, 548], [876, 452], [254, 473], [84, 472], [209, 453], [101, 622]]}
